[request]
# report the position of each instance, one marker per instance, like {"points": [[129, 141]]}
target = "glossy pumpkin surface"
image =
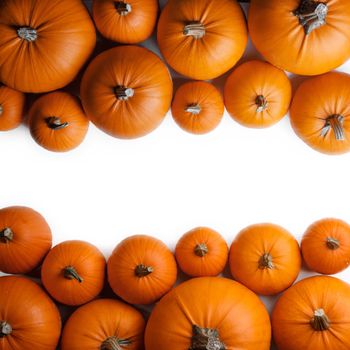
{"points": [[209, 313]]}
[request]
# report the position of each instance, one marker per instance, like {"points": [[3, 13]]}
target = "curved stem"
{"points": [[5, 329], [334, 122], [194, 109], [333, 243], [201, 249], [195, 29], [320, 322], [261, 103], [123, 93], [6, 235], [27, 33], [123, 8], [55, 123], [113, 343], [142, 270], [266, 262], [206, 339], [71, 273]]}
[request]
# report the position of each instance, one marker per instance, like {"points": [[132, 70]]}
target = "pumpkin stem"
{"points": [[194, 109], [142, 270], [335, 122], [55, 123], [195, 29], [113, 343], [123, 93], [123, 8], [201, 250], [1, 109], [5, 329], [71, 273], [320, 321], [206, 339], [6, 235], [311, 14], [266, 262], [333, 243], [27, 33], [261, 102]]}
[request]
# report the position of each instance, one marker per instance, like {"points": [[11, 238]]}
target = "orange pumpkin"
{"points": [[126, 91], [104, 324], [126, 21], [209, 313], [306, 37], [326, 246], [141, 269], [73, 272], [313, 314], [201, 252], [43, 43], [197, 107], [57, 122], [11, 108], [265, 258], [202, 39], [257, 94], [28, 317], [320, 113], [25, 239]]}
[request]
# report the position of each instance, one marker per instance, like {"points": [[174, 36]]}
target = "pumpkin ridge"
{"points": [[6, 235], [5, 329]]}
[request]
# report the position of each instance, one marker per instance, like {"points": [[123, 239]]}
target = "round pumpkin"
{"points": [[43, 43], [126, 21], [25, 239], [202, 39], [104, 324], [313, 314], [305, 37], [326, 246], [320, 113], [141, 269], [57, 122], [73, 272], [126, 91], [209, 313], [257, 94], [197, 107], [11, 108], [28, 317], [201, 252], [265, 258]]}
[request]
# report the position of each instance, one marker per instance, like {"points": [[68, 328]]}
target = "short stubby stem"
{"points": [[206, 339], [333, 243], [6, 235], [123, 93], [55, 123], [71, 273], [1, 109], [336, 123], [27, 33], [266, 262], [320, 322], [194, 29], [113, 343], [261, 103], [123, 8], [143, 270], [5, 329], [201, 250], [193, 109]]}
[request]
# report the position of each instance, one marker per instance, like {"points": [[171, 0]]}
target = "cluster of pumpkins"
{"points": [[206, 312], [126, 91]]}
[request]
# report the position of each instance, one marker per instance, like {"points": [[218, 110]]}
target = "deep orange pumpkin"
{"points": [[57, 122], [126, 91], [73, 272]]}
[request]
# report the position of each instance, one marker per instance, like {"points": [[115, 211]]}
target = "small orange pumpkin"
{"points": [[257, 94], [197, 107], [57, 122], [201, 252], [73, 272]]}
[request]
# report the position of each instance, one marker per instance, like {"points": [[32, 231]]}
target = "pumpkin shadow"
{"points": [[296, 80]]}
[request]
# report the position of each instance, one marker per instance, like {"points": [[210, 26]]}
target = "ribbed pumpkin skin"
{"points": [[193, 260], [217, 51], [89, 263], [295, 309], [90, 325], [141, 250], [132, 28], [249, 247], [250, 80], [32, 239], [132, 67], [319, 256], [282, 40], [65, 39], [207, 98], [11, 108], [34, 318], [209, 302], [315, 100]]}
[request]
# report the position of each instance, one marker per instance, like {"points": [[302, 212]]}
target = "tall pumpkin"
{"points": [[47, 41], [202, 39], [305, 37]]}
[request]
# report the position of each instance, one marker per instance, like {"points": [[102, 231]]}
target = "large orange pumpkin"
{"points": [[305, 37], [43, 43], [209, 313], [28, 317], [313, 314], [57, 122], [73, 272], [141, 269], [126, 21], [11, 108], [320, 113], [104, 324], [326, 246], [202, 39], [257, 94], [265, 258], [25, 239], [126, 91]]}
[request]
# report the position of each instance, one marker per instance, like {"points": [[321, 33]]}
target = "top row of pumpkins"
{"points": [[44, 43]]}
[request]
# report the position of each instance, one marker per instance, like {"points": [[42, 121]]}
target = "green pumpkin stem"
{"points": [[55, 123], [27, 33], [6, 235], [142, 270], [5, 329], [113, 343], [320, 322], [194, 29], [71, 273], [206, 339]]}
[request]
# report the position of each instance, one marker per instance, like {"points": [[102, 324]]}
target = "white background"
{"points": [[170, 181]]}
